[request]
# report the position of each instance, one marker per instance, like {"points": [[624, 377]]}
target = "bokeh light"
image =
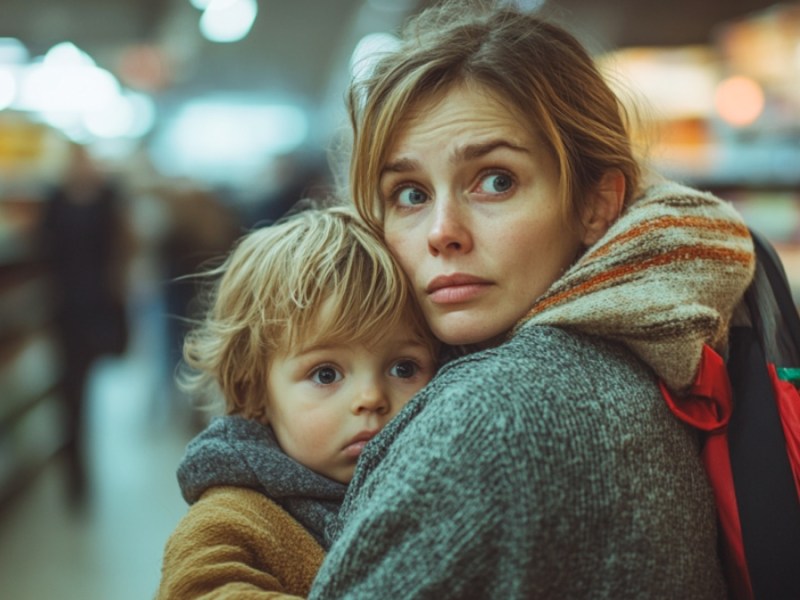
{"points": [[739, 100]]}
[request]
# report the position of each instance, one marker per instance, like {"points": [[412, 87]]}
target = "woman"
{"points": [[495, 162]]}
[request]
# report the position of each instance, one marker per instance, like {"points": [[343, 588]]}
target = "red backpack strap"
{"points": [[708, 406], [788, 398]]}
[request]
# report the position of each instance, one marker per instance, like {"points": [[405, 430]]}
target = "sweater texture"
{"points": [[550, 466]]}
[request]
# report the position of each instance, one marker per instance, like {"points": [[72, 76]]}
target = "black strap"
{"points": [[766, 494], [771, 263]]}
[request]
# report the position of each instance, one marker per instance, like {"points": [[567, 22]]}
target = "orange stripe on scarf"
{"points": [[717, 225], [680, 254]]}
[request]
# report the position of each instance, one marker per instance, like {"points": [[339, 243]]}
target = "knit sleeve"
{"points": [[236, 544]]}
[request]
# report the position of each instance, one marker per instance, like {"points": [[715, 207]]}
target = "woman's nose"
{"points": [[371, 397], [449, 231]]}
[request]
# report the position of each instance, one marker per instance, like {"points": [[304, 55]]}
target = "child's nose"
{"points": [[371, 398]]}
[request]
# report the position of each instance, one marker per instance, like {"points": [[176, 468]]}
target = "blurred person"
{"points": [[199, 228], [315, 341], [86, 243]]}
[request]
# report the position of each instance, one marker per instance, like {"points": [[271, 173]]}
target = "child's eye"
{"points": [[325, 375], [405, 369], [496, 183], [410, 196]]}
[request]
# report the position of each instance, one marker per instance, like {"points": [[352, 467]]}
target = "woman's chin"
{"points": [[467, 330]]}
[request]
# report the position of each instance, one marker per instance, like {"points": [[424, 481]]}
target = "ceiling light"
{"points": [[228, 20], [219, 140]]}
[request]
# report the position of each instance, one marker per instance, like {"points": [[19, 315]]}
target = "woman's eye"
{"points": [[410, 196], [404, 369], [496, 183], [325, 375]]}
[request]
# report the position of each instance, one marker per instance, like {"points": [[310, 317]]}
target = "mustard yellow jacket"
{"points": [[236, 543]]}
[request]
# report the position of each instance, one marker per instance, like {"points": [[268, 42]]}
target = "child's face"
{"points": [[326, 402]]}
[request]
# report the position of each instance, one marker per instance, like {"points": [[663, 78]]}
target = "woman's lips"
{"points": [[455, 289]]}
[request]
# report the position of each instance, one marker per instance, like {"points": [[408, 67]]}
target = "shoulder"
{"points": [[538, 364], [505, 453], [543, 398], [540, 395], [543, 380], [546, 350]]}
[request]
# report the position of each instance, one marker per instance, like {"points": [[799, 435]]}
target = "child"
{"points": [[315, 342]]}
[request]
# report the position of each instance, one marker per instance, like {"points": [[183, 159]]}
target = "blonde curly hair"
{"points": [[276, 289]]}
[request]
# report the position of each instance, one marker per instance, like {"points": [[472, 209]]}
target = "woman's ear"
{"points": [[604, 207]]}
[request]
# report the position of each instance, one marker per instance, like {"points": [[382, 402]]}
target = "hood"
{"points": [[663, 281], [234, 451]]}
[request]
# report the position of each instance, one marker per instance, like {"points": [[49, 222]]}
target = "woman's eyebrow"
{"points": [[473, 151], [463, 153], [401, 165]]}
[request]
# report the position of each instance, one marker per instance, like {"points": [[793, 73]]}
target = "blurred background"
{"points": [[140, 138]]}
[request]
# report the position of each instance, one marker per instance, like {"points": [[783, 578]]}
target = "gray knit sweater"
{"points": [[613, 502]]}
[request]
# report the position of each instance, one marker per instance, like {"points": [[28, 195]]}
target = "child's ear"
{"points": [[604, 207]]}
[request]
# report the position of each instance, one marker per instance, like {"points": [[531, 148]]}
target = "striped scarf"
{"points": [[664, 280]]}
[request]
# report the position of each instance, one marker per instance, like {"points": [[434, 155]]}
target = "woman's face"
{"points": [[472, 213]]}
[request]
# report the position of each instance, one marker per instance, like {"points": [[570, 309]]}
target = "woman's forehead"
{"points": [[461, 117]]}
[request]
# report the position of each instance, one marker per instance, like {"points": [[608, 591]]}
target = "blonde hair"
{"points": [[537, 68], [270, 293]]}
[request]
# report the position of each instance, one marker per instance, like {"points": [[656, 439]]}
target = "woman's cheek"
{"points": [[401, 248]]}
